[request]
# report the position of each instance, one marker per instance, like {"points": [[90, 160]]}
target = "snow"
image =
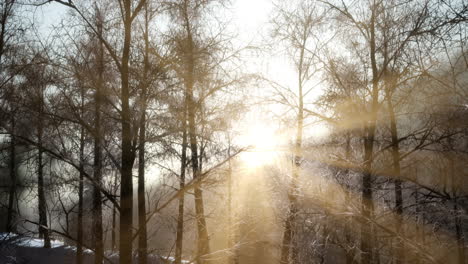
{"points": [[28, 241], [16, 249]]}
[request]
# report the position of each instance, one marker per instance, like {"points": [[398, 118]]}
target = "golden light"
{"points": [[262, 141]]}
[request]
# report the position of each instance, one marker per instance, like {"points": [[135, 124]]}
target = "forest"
{"points": [[234, 131]]}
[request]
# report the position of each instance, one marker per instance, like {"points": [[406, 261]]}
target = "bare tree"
{"points": [[128, 13], [296, 27]]}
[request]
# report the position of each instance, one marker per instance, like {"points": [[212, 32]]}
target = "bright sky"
{"points": [[251, 18], [251, 15], [259, 131]]}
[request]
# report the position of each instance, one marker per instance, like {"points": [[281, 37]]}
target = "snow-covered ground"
{"points": [[30, 242], [16, 249]]}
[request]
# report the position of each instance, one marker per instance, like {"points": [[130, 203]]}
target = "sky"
{"points": [[250, 19]]}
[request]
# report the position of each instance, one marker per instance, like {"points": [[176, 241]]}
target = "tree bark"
{"points": [[419, 221], [128, 154], [203, 240], [180, 217], [6, 13], [233, 257], [97, 200], [203, 247], [350, 248], [289, 246], [459, 232], [142, 235], [367, 207], [458, 215], [114, 225], [400, 258], [127, 144], [79, 239], [43, 229], [13, 181], [114, 217]]}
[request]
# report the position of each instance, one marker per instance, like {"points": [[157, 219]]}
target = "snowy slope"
{"points": [[15, 249]]}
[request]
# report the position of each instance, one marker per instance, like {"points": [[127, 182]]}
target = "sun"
{"points": [[262, 142]]}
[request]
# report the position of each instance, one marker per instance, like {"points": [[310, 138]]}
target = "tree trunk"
{"points": [[419, 222], [142, 235], [97, 200], [203, 247], [12, 192], [142, 239], [203, 240], [459, 232], [128, 154], [400, 258], [114, 225], [79, 239], [7, 13], [180, 217], [126, 188], [233, 257], [43, 229], [350, 248], [114, 217], [127, 144], [458, 215], [367, 207], [288, 246]]}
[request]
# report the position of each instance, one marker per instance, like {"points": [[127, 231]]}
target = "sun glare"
{"points": [[252, 14], [262, 142]]}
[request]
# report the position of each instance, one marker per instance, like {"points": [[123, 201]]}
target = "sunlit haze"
{"points": [[263, 145], [234, 132]]}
